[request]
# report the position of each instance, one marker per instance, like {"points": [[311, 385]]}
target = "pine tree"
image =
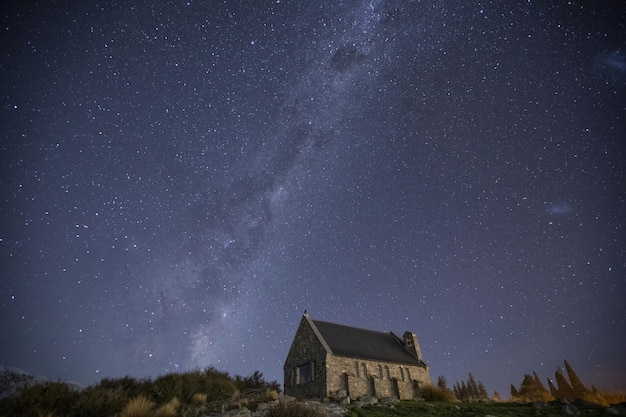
{"points": [[533, 390], [553, 390], [482, 392], [578, 389], [464, 392], [441, 382], [538, 381], [564, 388], [514, 392], [472, 387]]}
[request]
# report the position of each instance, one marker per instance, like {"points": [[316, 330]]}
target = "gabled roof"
{"points": [[361, 343]]}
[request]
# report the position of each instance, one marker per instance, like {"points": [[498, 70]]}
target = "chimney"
{"points": [[412, 345]]}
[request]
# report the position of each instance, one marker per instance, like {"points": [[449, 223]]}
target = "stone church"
{"points": [[333, 360]]}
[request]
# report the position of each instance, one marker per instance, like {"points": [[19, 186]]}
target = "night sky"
{"points": [[181, 180]]}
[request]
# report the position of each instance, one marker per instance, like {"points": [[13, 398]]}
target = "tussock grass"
{"points": [[169, 409], [138, 407], [198, 399]]}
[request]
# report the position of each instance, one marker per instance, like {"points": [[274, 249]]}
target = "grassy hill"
{"points": [[209, 392], [503, 409], [176, 394]]}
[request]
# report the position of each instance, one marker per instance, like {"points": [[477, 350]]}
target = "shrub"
{"points": [[47, 398], [438, 394], [272, 394], [99, 402], [604, 398]]}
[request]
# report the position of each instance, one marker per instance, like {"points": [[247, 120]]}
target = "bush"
{"points": [[53, 398], [432, 393], [604, 398], [99, 402], [169, 394]]}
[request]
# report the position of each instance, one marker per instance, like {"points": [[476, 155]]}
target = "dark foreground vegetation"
{"points": [[209, 392], [193, 393], [469, 409]]}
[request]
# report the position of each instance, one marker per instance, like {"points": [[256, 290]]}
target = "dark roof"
{"points": [[364, 344]]}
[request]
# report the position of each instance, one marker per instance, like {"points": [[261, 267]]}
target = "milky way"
{"points": [[181, 180]]}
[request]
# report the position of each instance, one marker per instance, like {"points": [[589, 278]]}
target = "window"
{"points": [[356, 367], [408, 374], [304, 373], [364, 367], [401, 373], [380, 371], [387, 373]]}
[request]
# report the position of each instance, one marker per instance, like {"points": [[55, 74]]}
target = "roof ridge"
{"points": [[352, 327]]}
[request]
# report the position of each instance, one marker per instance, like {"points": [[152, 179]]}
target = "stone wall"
{"points": [[306, 348], [406, 390], [384, 388], [380, 379]]}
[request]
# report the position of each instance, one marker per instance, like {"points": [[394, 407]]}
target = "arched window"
{"points": [[387, 372], [401, 373], [408, 374], [356, 368], [364, 367], [380, 371]]}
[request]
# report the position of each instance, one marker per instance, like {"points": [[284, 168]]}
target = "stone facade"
{"points": [[313, 370], [359, 377], [305, 349]]}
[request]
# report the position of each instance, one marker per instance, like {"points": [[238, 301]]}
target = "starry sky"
{"points": [[182, 179]]}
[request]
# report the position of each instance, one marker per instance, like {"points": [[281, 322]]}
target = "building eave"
{"points": [[317, 332]]}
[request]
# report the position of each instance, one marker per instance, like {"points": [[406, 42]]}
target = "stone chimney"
{"points": [[412, 345]]}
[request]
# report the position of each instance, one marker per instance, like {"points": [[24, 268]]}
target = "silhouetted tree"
{"points": [[482, 392], [533, 390], [470, 390], [578, 389], [563, 387], [514, 392], [472, 387], [441, 382], [553, 390]]}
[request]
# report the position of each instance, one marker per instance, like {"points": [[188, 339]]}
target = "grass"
{"points": [[138, 407], [442, 409], [293, 410]]}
